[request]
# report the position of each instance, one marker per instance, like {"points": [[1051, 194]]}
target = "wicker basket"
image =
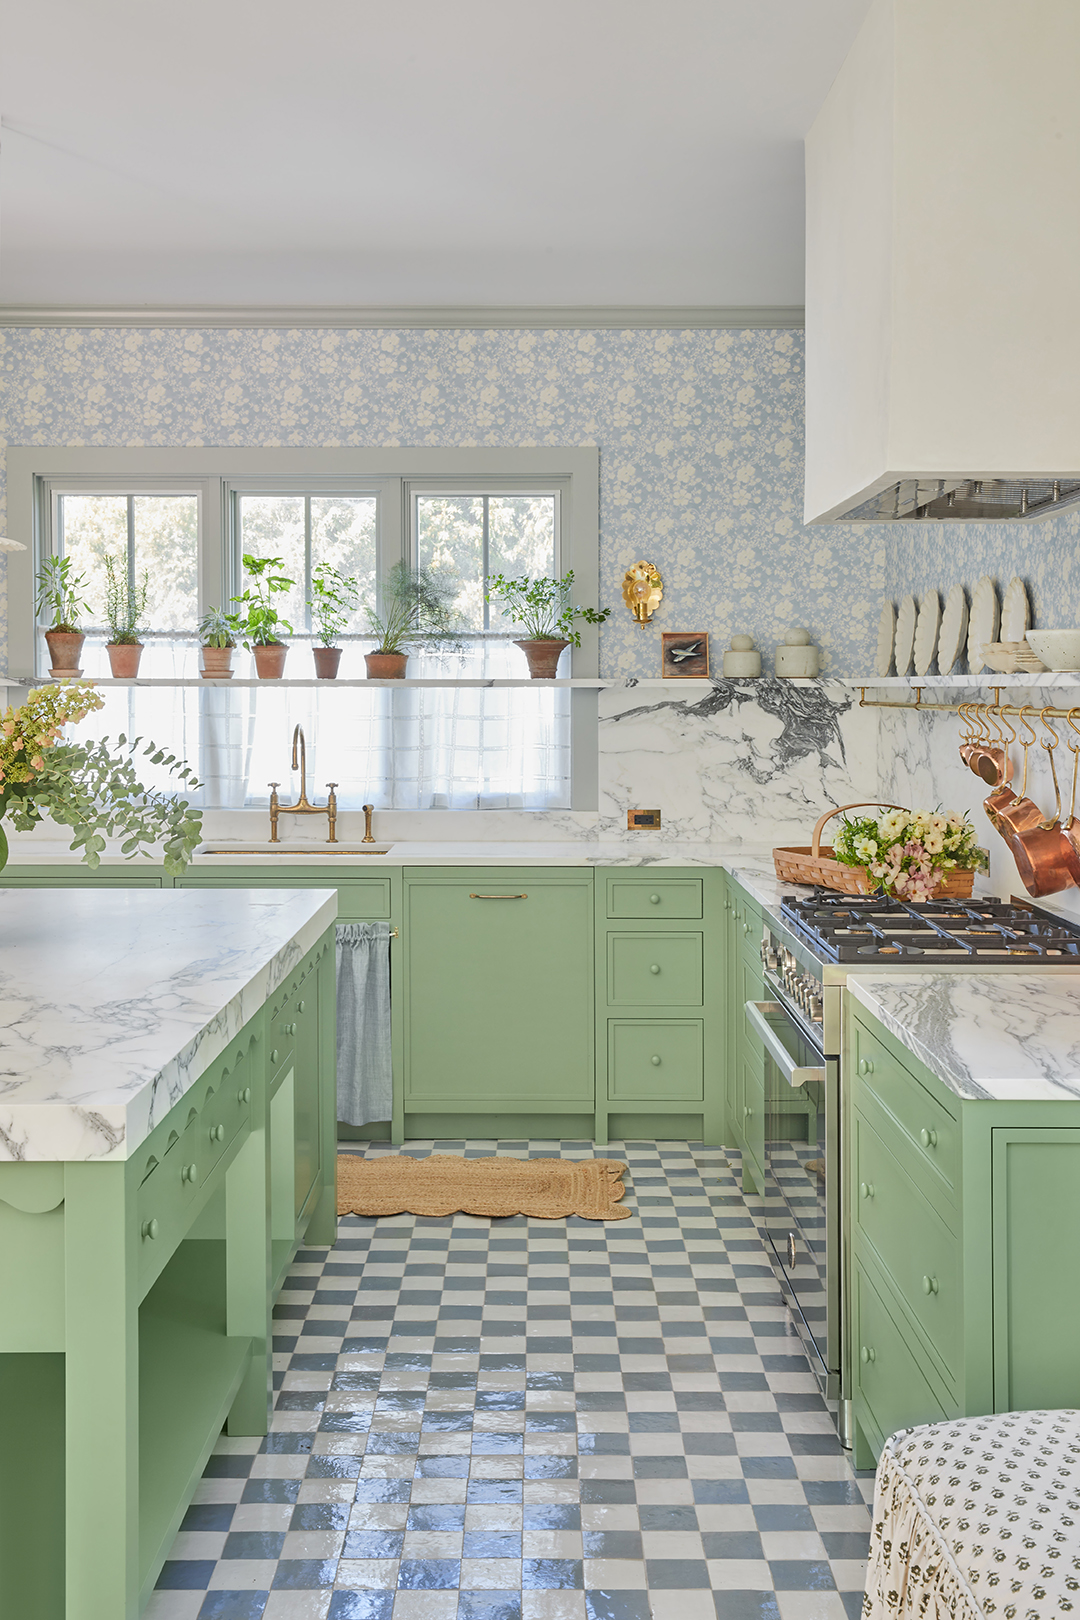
{"points": [[815, 864]]}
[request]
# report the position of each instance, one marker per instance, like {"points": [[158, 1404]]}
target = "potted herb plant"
{"points": [[333, 598], [217, 631], [260, 621], [416, 609], [59, 593], [546, 608], [125, 604]]}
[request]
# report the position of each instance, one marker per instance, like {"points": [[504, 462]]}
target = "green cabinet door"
{"points": [[499, 988]]}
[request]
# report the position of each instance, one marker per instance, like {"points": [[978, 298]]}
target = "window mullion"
{"points": [[307, 562], [131, 543], [486, 562]]}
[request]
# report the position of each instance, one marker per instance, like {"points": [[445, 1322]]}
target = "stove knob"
{"points": [[817, 1010]]}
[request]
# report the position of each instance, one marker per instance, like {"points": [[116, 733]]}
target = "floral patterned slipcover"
{"points": [[979, 1517]]}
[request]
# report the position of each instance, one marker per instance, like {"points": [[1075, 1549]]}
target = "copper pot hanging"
{"points": [[1045, 858]]}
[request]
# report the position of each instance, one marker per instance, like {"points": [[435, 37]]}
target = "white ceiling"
{"points": [[410, 151]]}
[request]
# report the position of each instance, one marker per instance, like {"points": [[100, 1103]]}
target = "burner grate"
{"points": [[882, 928]]}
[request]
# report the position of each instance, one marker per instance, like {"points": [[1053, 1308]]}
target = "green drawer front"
{"points": [[359, 899], [912, 1244], [58, 878], [887, 1377], [656, 1058], [931, 1131], [653, 897], [655, 970], [163, 1199]]}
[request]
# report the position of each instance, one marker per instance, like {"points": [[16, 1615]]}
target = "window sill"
{"points": [[196, 680]]}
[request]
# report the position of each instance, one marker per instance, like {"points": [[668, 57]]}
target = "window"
{"points": [[187, 517]]}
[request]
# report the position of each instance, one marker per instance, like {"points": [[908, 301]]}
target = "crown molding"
{"points": [[482, 317]]}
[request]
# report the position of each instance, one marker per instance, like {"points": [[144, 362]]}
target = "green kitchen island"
{"points": [[167, 1118]]}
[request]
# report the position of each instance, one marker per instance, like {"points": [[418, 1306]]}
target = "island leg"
{"points": [[322, 1227], [101, 1395], [247, 1278]]}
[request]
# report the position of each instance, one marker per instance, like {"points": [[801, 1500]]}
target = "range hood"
{"points": [[943, 267]]}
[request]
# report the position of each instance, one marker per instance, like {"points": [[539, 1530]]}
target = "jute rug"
{"points": [[445, 1184]]}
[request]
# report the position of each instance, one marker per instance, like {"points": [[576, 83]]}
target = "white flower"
{"points": [[865, 849], [933, 843]]}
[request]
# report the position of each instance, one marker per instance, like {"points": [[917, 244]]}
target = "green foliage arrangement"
{"points": [[260, 623], [417, 608], [217, 628], [545, 607], [334, 596], [59, 591], [85, 786], [125, 603], [907, 851]]}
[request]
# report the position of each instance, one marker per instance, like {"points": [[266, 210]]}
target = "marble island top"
{"points": [[114, 1001], [1001, 1037]]}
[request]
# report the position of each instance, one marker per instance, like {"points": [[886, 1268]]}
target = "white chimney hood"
{"points": [[943, 266]]}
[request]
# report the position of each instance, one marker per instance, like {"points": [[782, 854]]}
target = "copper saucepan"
{"points": [[1045, 859], [993, 762], [970, 739], [1071, 831], [1009, 813]]}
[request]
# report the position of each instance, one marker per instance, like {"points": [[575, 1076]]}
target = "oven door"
{"points": [[802, 1181]]}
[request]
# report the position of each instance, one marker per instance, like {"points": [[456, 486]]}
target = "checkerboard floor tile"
{"points": [[535, 1420]]}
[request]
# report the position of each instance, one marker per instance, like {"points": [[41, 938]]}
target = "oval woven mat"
{"points": [[446, 1184]]}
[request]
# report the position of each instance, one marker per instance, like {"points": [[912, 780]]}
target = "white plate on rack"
{"points": [[954, 623], [886, 635], [905, 634], [1015, 615], [926, 631], [983, 622]]}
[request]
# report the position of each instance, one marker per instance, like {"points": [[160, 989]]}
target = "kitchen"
{"points": [[697, 429]]}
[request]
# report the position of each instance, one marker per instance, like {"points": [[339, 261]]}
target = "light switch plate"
{"points": [[643, 820]]}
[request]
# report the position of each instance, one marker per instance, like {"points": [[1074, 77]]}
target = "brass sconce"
{"points": [[642, 591]]}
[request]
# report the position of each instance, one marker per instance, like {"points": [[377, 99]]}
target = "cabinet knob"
{"points": [[747, 1113], [867, 1189], [868, 1353], [866, 1065], [244, 1094], [655, 1061], [736, 914], [217, 1133], [274, 1055], [150, 1229], [746, 927], [928, 1138], [655, 968], [299, 1008], [929, 1285], [654, 899], [190, 1172]]}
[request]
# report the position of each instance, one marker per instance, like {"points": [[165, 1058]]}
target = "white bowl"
{"points": [[1058, 649]]}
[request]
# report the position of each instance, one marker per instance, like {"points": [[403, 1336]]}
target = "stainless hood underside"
{"points": [[960, 499]]}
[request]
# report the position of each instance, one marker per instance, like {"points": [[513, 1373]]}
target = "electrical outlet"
{"points": [[643, 820]]}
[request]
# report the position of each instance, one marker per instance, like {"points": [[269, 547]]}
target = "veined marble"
{"points": [[1002, 1037], [114, 1001]]}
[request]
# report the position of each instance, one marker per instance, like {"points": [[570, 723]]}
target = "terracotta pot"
{"points": [[217, 663], [270, 660], [64, 649], [327, 660], [124, 658], [384, 666], [542, 656]]}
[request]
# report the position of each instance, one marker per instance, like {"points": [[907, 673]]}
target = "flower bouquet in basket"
{"points": [[914, 854]]}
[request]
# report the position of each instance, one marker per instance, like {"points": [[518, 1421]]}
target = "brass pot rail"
{"points": [[995, 709]]}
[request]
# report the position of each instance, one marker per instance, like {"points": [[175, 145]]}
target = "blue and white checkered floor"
{"points": [[535, 1420]]}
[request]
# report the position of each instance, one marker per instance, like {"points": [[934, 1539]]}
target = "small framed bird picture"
{"points": [[684, 654]]}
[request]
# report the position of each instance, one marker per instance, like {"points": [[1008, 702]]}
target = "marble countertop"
{"points": [[114, 1001], [1001, 1037]]}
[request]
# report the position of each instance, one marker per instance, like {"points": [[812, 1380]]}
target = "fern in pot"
{"points": [[59, 592], [546, 609], [218, 631], [125, 604], [333, 598], [260, 623], [417, 611]]}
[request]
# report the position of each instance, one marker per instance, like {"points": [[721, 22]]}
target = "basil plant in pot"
{"points": [[260, 622], [87, 786], [546, 609], [59, 592], [125, 604], [217, 631], [417, 611], [333, 599]]}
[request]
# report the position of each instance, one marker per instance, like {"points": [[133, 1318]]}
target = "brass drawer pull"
{"points": [[928, 1138], [929, 1285], [866, 1065], [868, 1353], [498, 897]]}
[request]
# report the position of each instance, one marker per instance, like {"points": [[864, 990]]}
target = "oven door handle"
{"points": [[767, 1019]]}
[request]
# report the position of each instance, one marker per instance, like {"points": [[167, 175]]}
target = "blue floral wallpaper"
{"points": [[700, 438]]}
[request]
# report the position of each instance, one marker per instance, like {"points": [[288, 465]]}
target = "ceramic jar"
{"points": [[796, 657], [743, 662]]}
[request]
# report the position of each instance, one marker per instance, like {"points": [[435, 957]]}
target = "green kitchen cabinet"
{"points": [[660, 1015], [963, 1299], [498, 1000]]}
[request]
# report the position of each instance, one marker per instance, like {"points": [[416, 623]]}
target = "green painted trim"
{"points": [[494, 1127]]}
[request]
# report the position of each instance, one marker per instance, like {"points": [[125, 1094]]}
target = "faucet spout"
{"points": [[298, 741], [303, 805]]}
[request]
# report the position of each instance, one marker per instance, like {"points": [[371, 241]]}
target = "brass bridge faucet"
{"points": [[302, 807]]}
